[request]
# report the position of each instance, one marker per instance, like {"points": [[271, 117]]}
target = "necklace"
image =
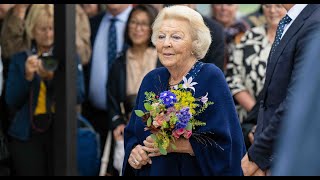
{"points": [[174, 84]]}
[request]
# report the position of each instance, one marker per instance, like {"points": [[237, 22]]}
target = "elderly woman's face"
{"points": [[273, 13], [174, 42], [43, 32], [139, 28]]}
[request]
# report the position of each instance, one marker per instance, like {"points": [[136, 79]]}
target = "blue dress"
{"points": [[218, 146]]}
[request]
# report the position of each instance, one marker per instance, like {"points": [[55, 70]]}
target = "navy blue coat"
{"points": [[18, 95], [283, 70], [221, 119]]}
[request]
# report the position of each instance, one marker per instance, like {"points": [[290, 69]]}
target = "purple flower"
{"points": [[184, 117], [168, 98]]}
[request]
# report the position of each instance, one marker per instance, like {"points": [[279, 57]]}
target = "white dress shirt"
{"points": [[293, 14], [99, 64]]}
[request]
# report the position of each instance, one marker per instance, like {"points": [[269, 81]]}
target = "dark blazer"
{"points": [[284, 68], [94, 25], [215, 53], [299, 144]]}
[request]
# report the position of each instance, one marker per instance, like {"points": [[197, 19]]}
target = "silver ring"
{"points": [[136, 161]]}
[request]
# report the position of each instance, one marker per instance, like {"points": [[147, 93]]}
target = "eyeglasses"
{"points": [[135, 24], [269, 6]]}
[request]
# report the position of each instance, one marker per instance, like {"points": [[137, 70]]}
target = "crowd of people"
{"points": [[251, 67]]}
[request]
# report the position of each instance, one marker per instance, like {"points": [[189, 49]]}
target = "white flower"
{"points": [[188, 83], [204, 99]]}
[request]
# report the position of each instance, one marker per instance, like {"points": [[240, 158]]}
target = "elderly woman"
{"points": [[30, 94], [247, 66], [182, 39], [128, 71]]}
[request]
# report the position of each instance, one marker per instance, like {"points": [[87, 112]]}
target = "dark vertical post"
{"points": [[65, 126]]}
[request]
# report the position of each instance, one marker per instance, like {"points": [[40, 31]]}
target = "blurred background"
{"points": [[244, 9]]}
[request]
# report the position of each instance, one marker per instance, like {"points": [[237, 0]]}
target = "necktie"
{"points": [[112, 42], [285, 20]]}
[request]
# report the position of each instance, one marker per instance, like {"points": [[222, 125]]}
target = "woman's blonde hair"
{"points": [[36, 13], [200, 33]]}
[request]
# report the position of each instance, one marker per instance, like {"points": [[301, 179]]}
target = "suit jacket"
{"points": [[94, 24], [283, 70], [299, 142]]}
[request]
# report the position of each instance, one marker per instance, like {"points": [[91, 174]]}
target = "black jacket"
{"points": [[117, 85], [216, 50]]}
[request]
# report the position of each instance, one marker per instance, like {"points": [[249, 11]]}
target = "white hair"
{"points": [[200, 33]]}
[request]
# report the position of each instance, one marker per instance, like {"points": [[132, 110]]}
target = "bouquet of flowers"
{"points": [[171, 115]]}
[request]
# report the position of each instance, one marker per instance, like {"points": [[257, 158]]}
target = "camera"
{"points": [[49, 62]]}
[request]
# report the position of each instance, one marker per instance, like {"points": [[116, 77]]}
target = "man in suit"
{"points": [[299, 143], [96, 72], [285, 62]]}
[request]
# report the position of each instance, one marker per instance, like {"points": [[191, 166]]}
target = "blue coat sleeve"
{"points": [[218, 146], [17, 87]]}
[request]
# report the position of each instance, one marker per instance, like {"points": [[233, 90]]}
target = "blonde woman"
{"points": [[30, 94]]}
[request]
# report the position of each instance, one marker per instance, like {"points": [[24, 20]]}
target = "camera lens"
{"points": [[49, 62]]}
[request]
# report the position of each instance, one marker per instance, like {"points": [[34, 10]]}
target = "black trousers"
{"points": [[33, 157]]}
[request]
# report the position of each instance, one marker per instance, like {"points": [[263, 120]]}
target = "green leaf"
{"points": [[162, 150], [149, 121], [173, 146], [154, 137], [157, 110], [139, 113], [147, 106], [165, 125], [189, 126]]}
